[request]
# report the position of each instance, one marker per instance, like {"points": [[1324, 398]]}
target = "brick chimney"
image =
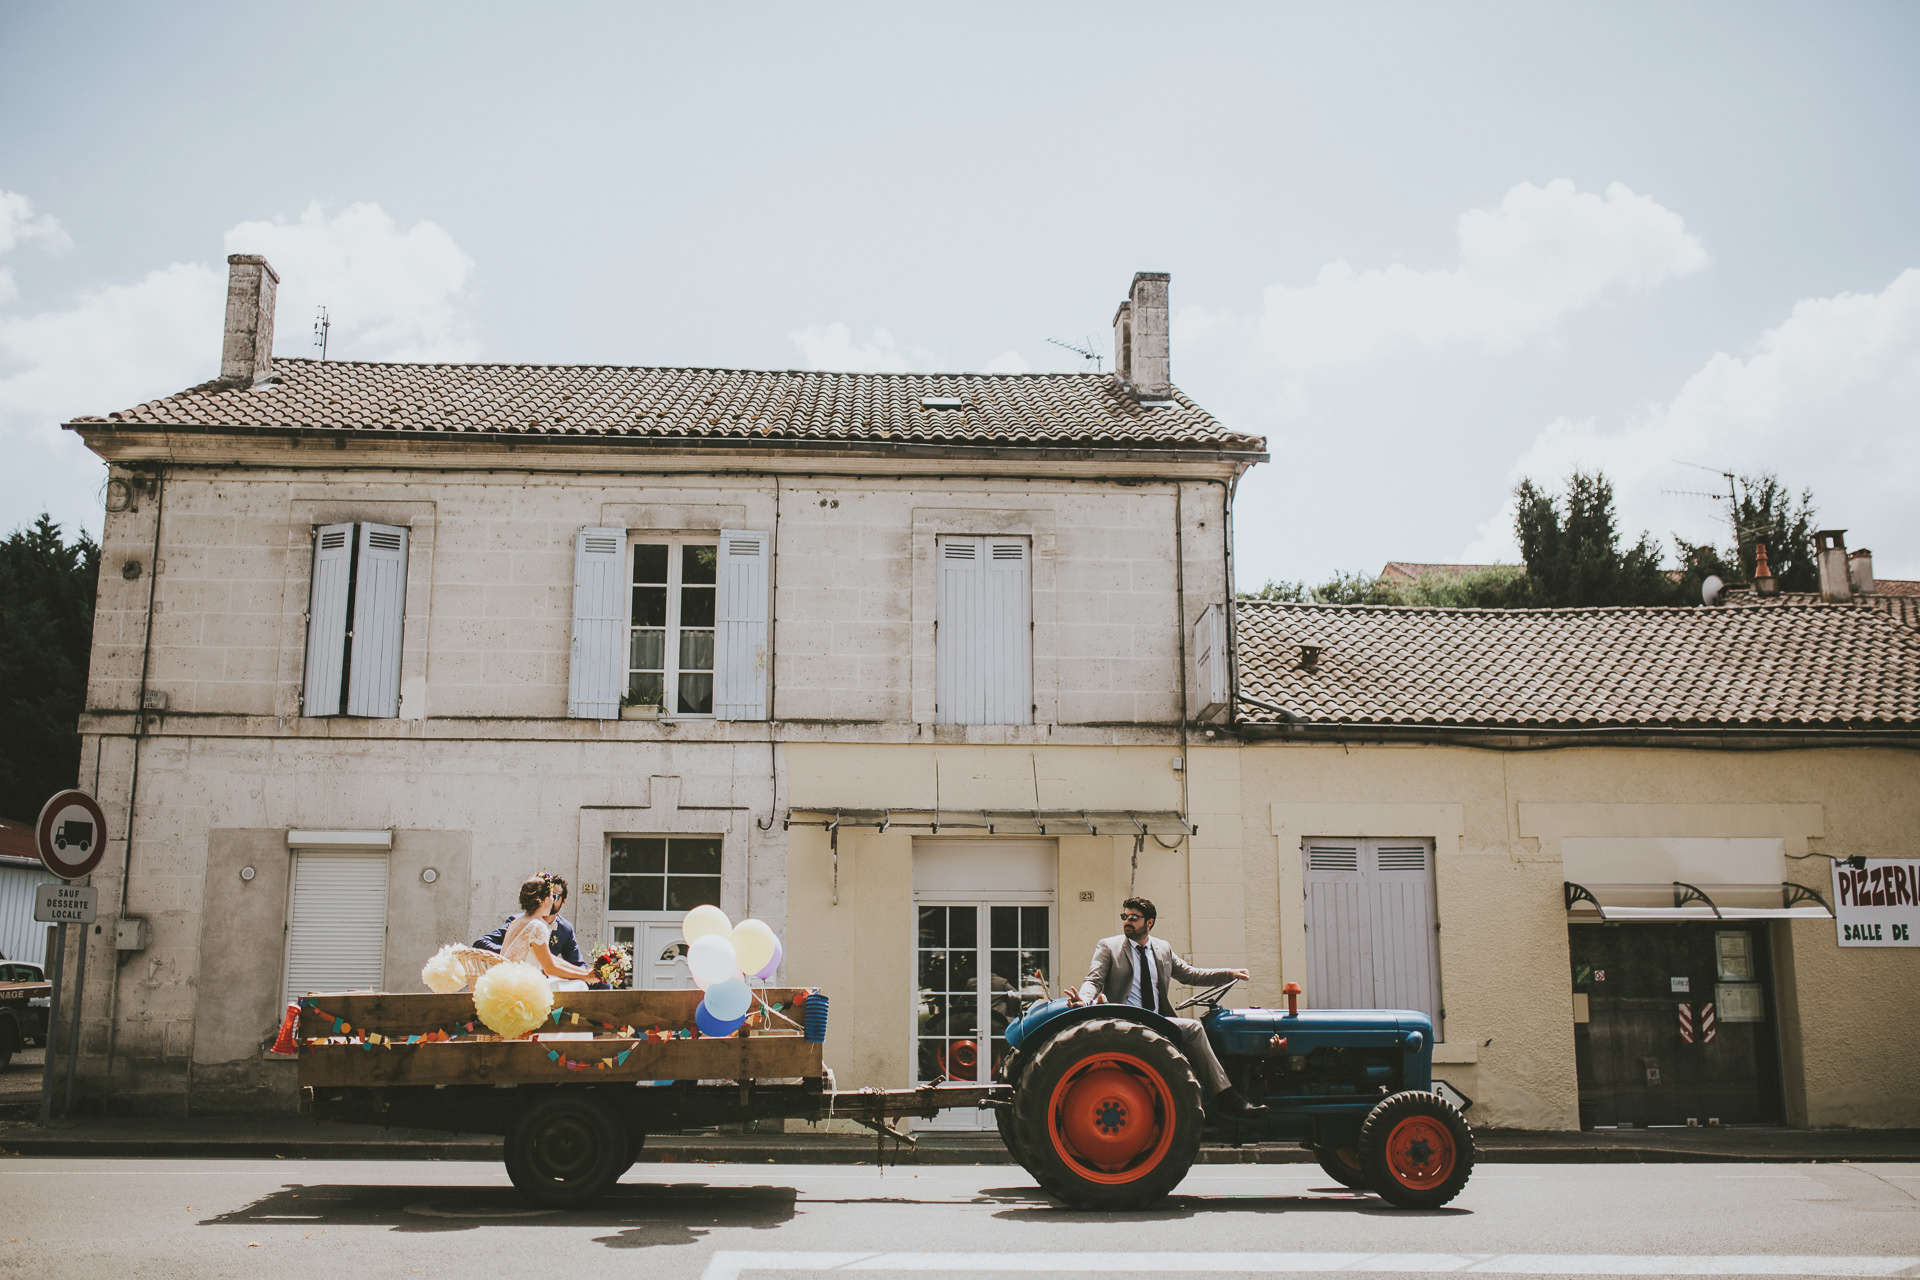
{"points": [[246, 354], [1830, 558], [1140, 339]]}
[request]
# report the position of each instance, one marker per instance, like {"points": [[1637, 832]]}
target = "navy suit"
{"points": [[561, 942]]}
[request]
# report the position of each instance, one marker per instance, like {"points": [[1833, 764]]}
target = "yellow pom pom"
{"points": [[444, 973], [512, 999]]}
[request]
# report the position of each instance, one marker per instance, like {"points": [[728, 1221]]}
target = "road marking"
{"points": [[731, 1265]]}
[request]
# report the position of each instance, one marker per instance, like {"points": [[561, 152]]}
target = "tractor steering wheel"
{"points": [[1211, 997]]}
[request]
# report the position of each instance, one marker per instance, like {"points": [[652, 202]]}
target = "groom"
{"points": [[561, 942]]}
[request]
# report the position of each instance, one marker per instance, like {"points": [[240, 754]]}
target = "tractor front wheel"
{"points": [[1416, 1150], [567, 1152], [1108, 1116], [1342, 1164]]}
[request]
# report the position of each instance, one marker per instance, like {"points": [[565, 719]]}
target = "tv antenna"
{"points": [[1729, 497], [321, 323], [1088, 352]]}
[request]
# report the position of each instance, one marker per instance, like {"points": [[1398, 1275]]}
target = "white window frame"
{"points": [[654, 933], [670, 676]]}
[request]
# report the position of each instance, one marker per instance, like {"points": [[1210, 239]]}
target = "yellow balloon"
{"points": [[702, 921], [753, 943]]}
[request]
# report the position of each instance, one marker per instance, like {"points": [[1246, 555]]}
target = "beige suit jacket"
{"points": [[1111, 975]]}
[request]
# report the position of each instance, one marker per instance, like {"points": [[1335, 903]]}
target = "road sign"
{"points": [[65, 903], [71, 835], [1460, 1100]]}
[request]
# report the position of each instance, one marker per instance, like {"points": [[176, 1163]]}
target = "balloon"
{"points": [[753, 942], [712, 1026], [772, 966], [712, 960], [729, 999], [702, 921]]}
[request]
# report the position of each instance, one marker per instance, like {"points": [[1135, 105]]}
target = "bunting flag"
{"points": [[342, 1030]]}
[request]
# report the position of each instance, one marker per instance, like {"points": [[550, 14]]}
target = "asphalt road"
{"points": [[296, 1219]]}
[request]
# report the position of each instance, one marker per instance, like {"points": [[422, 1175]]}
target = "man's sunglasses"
{"points": [[1131, 915]]}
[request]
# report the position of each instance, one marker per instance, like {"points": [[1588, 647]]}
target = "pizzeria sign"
{"points": [[1878, 904]]}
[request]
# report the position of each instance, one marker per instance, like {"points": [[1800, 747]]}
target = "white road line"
{"points": [[731, 1265]]}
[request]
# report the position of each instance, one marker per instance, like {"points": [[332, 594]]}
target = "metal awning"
{"points": [[1797, 902], [1167, 823]]}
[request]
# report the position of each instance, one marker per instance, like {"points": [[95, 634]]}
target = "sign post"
{"points": [[71, 838]]}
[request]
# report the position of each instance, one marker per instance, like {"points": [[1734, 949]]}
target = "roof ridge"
{"points": [[661, 368]]}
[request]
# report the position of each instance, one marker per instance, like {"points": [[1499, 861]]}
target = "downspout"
{"points": [[1180, 619], [773, 651]]}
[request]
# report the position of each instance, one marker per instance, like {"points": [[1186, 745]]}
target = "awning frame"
{"points": [[1134, 823], [1793, 900]]}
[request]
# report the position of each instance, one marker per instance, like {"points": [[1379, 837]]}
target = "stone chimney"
{"points": [[1860, 572], [1830, 558], [246, 355], [1140, 338]]}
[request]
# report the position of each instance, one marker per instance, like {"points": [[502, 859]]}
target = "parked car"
{"points": [[25, 997]]}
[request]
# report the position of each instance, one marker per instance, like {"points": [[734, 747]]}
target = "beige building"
{"points": [[929, 672]]}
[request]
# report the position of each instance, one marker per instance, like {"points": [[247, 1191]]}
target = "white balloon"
{"points": [[702, 921], [712, 960], [754, 943]]}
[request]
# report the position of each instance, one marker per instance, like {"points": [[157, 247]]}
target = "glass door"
{"points": [[961, 1020]]}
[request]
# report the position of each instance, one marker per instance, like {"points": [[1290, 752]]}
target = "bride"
{"points": [[526, 939]]}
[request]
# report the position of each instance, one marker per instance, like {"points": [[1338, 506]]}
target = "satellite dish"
{"points": [[1713, 591]]}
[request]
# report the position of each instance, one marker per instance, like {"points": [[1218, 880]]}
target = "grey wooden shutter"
{"points": [[740, 644], [960, 692], [596, 667], [336, 922], [1371, 937], [327, 620], [1406, 945], [379, 616], [1007, 630], [1339, 927], [983, 648]]}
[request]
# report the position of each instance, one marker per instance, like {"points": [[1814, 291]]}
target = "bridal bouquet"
{"points": [[613, 965]]}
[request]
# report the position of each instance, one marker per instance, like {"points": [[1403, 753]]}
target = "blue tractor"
{"points": [[1106, 1112]]}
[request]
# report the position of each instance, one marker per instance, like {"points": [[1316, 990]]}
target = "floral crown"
{"points": [[546, 878]]}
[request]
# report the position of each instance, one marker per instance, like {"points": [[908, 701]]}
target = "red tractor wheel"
{"points": [[1108, 1115], [1416, 1150]]}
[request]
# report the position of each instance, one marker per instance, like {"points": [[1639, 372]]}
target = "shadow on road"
{"points": [[640, 1215], [1033, 1205]]}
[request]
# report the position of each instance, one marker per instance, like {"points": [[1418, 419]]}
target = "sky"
{"points": [[1425, 250]]}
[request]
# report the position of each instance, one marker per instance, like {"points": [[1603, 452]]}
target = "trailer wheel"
{"points": [[1416, 1150], [567, 1152], [1342, 1164], [1108, 1115]]}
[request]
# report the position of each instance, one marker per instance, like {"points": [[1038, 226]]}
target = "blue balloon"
{"points": [[729, 999], [712, 1026]]}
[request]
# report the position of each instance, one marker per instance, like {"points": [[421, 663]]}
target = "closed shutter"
{"points": [[1372, 941], [596, 665], [327, 620], [983, 649], [379, 615], [336, 922], [740, 652]]}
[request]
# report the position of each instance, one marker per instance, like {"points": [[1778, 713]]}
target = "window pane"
{"points": [[636, 893], [696, 695], [1005, 926], [933, 971], [699, 564], [933, 927], [684, 893], [696, 606], [645, 688], [696, 651], [648, 650], [966, 927], [649, 606], [966, 968], [637, 855], [695, 858], [650, 563], [1034, 966], [1006, 969], [1033, 927]]}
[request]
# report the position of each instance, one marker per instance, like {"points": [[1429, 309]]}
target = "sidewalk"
{"points": [[296, 1138]]}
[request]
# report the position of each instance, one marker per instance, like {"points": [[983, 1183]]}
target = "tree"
{"points": [[1497, 587], [1764, 513], [1571, 545], [46, 633]]}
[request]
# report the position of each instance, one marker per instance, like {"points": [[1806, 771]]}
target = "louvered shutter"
{"points": [[740, 649], [959, 679], [596, 667], [379, 614], [1406, 947], [327, 620], [1339, 927], [336, 923], [1007, 630], [983, 649]]}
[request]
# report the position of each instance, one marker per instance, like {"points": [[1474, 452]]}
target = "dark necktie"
{"points": [[1146, 980]]}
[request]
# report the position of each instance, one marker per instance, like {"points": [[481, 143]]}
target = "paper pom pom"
{"points": [[512, 999], [444, 973]]}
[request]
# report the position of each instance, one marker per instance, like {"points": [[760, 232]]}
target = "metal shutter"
{"points": [[336, 922], [1372, 941], [596, 668], [379, 616], [740, 653], [983, 651], [327, 620]]}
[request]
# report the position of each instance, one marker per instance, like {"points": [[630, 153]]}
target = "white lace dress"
{"points": [[520, 947]]}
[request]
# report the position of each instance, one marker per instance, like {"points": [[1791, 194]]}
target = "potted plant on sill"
{"points": [[633, 708]]}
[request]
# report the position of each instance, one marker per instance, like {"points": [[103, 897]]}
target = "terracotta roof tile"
{"points": [[1779, 667], [1047, 409]]}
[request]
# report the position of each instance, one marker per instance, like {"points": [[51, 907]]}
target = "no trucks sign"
{"points": [[71, 835]]}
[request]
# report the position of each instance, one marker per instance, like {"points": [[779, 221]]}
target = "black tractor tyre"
{"points": [[1342, 1164], [1416, 1150], [567, 1151], [1010, 1136], [1108, 1115]]}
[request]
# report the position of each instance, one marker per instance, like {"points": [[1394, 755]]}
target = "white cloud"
{"points": [[1007, 362], [1539, 254], [832, 346], [392, 294], [1829, 400], [17, 223]]}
